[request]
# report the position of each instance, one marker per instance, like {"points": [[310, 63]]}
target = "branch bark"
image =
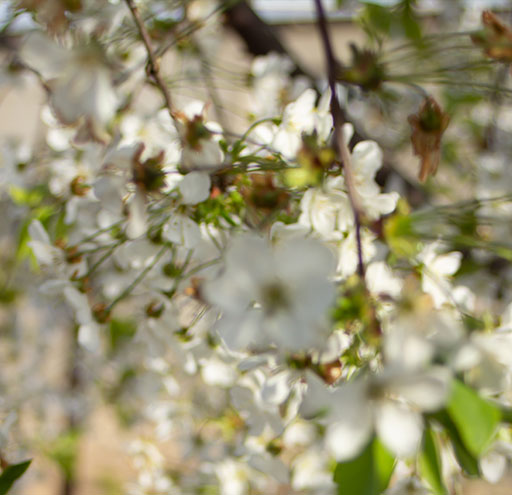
{"points": [[153, 63], [339, 142]]}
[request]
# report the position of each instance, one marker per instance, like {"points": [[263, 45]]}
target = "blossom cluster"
{"points": [[279, 317]]}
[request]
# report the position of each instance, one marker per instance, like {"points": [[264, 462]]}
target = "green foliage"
{"points": [[367, 474], [470, 423], [28, 197], [64, 451], [120, 332], [467, 461], [400, 233], [377, 19], [352, 304], [475, 418], [430, 463], [10, 474], [381, 22], [223, 206]]}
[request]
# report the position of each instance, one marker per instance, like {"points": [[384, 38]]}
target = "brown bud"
{"points": [[148, 175], [428, 126], [262, 194], [100, 312], [73, 254], [331, 372], [79, 186], [495, 38], [365, 69], [155, 309]]}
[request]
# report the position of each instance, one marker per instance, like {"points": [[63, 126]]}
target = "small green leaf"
{"points": [[121, 331], [475, 418], [410, 23], [377, 19], [367, 474], [430, 463], [10, 474]]}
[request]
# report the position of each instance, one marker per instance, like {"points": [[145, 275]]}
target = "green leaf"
{"points": [[367, 474], [410, 24], [377, 19], [430, 463], [475, 418], [10, 474], [466, 460]]}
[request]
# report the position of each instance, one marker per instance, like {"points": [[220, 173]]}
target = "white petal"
{"points": [[89, 337], [399, 428], [446, 264], [348, 132], [493, 466], [42, 54], [195, 187], [276, 389], [428, 391], [272, 466], [182, 230], [346, 439], [367, 159], [215, 372], [137, 219], [37, 232]]}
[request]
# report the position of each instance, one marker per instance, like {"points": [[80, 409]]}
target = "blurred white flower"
{"points": [[79, 80], [438, 267], [494, 463], [53, 258], [388, 403], [233, 477], [273, 295], [311, 471], [199, 138], [302, 116]]}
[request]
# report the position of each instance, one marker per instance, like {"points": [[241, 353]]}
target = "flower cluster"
{"points": [[274, 311]]}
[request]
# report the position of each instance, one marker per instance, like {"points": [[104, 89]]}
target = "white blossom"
{"points": [[273, 295]]}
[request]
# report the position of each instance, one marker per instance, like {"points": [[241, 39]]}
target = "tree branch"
{"points": [[260, 39], [258, 36], [339, 142], [153, 66]]}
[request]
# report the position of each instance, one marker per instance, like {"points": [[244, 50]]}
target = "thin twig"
{"points": [[153, 63], [340, 144], [128, 290]]}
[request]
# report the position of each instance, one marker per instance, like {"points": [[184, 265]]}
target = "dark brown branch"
{"points": [[339, 142], [258, 36], [261, 39]]}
